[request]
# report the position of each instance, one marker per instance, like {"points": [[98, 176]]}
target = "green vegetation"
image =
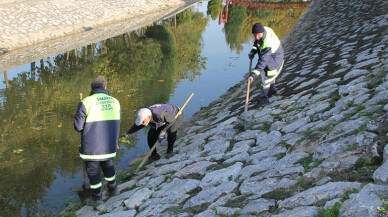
{"points": [[302, 183], [331, 211], [285, 144], [307, 133], [349, 148], [360, 107], [350, 103], [363, 127], [306, 162], [183, 17], [124, 140], [213, 8], [166, 39], [384, 208], [280, 156], [234, 26], [238, 178], [331, 125], [278, 194], [349, 192]]}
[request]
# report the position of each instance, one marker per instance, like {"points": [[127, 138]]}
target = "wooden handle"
{"points": [[249, 86], [146, 157], [247, 99], [80, 96], [184, 105]]}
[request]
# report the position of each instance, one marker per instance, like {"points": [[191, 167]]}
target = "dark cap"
{"points": [[257, 28], [99, 82]]}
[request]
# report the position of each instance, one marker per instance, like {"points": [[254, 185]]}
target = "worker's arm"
{"points": [[80, 118], [133, 129], [169, 120], [264, 56], [253, 51]]}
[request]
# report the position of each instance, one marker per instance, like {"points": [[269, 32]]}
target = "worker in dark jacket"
{"points": [[270, 60], [98, 120], [161, 118]]}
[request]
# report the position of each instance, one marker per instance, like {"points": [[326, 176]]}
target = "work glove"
{"points": [[250, 79], [161, 136], [251, 55], [124, 135]]}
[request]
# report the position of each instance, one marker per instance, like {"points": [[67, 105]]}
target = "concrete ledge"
{"points": [[31, 46]]}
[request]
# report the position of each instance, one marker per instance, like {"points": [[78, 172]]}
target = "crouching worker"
{"points": [[161, 118], [98, 120]]}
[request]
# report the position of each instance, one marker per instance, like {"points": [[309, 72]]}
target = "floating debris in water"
{"points": [[37, 128], [18, 151], [124, 140]]}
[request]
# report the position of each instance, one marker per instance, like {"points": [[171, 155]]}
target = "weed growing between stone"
{"points": [[330, 211]]}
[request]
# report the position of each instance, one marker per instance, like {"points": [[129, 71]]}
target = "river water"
{"points": [[195, 51]]}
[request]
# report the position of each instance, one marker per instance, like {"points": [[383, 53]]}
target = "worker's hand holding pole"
{"points": [[249, 86]]}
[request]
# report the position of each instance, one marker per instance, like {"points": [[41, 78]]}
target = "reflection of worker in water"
{"points": [[270, 62], [98, 119], [161, 118]]}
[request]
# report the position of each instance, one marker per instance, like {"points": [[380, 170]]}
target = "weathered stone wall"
{"points": [[321, 141], [11, 1], [32, 30], [32, 22]]}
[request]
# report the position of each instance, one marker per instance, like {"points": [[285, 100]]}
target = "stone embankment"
{"points": [[31, 30], [25, 23], [322, 141]]}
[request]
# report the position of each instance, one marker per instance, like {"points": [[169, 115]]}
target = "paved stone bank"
{"points": [[321, 142], [31, 22], [35, 29]]}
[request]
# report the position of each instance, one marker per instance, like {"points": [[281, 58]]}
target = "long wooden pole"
{"points": [[156, 143], [6, 79], [249, 86]]}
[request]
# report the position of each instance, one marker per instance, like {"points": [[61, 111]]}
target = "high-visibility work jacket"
{"points": [[98, 118], [270, 52]]}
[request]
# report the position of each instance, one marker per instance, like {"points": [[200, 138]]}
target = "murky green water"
{"points": [[40, 168]]}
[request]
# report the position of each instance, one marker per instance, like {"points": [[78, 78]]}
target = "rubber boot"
{"points": [[272, 90], [112, 189], [262, 101], [95, 200], [153, 157]]}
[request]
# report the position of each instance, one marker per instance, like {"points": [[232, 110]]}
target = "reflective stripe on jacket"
{"points": [[98, 118]]}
